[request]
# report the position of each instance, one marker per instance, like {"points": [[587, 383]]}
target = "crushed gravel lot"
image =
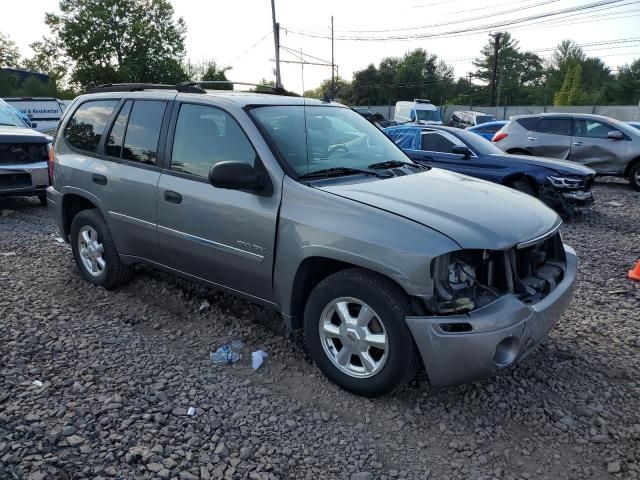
{"points": [[98, 384]]}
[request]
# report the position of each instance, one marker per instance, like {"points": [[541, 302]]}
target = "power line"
{"points": [[262, 39], [487, 27]]}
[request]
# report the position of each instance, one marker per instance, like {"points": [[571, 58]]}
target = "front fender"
{"points": [[318, 224]]}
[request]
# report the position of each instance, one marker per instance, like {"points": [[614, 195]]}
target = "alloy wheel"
{"points": [[91, 250]]}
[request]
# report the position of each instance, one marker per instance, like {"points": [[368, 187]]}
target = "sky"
{"points": [[238, 33]]}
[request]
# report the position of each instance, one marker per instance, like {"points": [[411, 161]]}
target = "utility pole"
{"points": [[333, 66], [496, 45], [276, 41]]}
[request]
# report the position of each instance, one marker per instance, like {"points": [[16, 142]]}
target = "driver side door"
{"points": [[591, 146], [224, 236]]}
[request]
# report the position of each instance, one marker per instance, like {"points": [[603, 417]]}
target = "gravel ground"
{"points": [[120, 369]]}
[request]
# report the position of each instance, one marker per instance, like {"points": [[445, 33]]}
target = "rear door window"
{"points": [[143, 131], [113, 147], [556, 126], [436, 142], [88, 123]]}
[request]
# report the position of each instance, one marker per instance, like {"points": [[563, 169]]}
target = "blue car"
{"points": [[488, 129], [563, 185]]}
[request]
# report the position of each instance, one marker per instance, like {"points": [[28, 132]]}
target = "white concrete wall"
{"points": [[623, 113]]}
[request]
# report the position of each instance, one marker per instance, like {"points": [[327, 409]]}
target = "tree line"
{"points": [[569, 77], [91, 42]]}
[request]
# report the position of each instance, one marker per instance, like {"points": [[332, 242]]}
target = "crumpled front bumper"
{"points": [[24, 178], [502, 333]]}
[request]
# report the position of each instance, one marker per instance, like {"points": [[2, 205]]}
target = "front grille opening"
{"points": [[20, 153], [456, 327]]}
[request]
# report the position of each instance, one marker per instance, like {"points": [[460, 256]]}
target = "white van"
{"points": [[44, 113], [419, 111]]}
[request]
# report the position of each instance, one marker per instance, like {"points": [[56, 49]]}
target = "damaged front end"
{"points": [[489, 308], [568, 195]]}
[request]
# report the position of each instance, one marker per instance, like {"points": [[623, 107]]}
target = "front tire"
{"points": [[355, 331], [94, 251], [634, 176]]}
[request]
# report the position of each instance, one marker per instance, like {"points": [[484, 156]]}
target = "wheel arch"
{"points": [[311, 271], [630, 165], [72, 204], [530, 179]]}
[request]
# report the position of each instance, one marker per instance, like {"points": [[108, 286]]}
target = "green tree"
{"points": [[9, 53], [120, 40], [341, 89], [213, 72], [627, 84], [520, 74]]}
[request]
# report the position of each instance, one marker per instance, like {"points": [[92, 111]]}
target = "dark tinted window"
{"points": [[591, 128], [529, 123], [434, 142], [88, 123], [557, 126], [116, 137], [484, 119], [143, 131], [205, 136], [489, 128]]}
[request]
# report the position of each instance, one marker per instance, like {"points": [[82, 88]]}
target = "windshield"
{"points": [[484, 119], [429, 115], [480, 144], [9, 116], [335, 137]]}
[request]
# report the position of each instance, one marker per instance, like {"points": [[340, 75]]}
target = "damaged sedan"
{"points": [[563, 185], [24, 155]]}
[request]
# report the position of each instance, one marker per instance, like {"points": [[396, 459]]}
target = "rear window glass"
{"points": [[529, 123], [114, 142], [557, 126], [88, 123], [143, 131]]}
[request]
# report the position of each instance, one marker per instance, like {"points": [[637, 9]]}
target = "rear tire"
{"points": [[523, 186], [94, 251], [634, 176], [355, 331]]}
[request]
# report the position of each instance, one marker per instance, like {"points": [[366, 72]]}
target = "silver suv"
{"points": [[307, 208], [608, 146]]}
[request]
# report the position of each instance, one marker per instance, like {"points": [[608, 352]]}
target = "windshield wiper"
{"points": [[338, 171], [395, 164]]}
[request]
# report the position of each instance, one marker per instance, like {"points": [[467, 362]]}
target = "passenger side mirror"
{"points": [[615, 135], [460, 150], [236, 175]]}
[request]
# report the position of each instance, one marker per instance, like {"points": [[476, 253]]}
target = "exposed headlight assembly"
{"points": [[564, 182]]}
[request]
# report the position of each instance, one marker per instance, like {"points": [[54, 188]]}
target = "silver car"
{"points": [[607, 145], [306, 207]]}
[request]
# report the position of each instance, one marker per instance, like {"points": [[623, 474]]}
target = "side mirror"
{"points": [[236, 175], [460, 150], [615, 135]]}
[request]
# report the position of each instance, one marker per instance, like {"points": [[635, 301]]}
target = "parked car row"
{"points": [[387, 264]]}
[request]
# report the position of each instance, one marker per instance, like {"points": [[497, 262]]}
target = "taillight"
{"points": [[499, 136], [51, 163]]}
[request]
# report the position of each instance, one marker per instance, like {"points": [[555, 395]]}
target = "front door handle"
{"points": [[532, 138], [578, 144], [99, 179], [173, 197]]}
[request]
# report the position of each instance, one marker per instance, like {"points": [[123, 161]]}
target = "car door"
{"points": [[224, 236], [551, 138], [125, 177], [591, 146]]}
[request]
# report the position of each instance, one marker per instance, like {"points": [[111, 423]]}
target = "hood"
{"points": [[472, 212], [21, 135], [566, 167]]}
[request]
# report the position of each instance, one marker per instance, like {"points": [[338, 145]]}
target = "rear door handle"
{"points": [[173, 197], [532, 138], [578, 144], [99, 179]]}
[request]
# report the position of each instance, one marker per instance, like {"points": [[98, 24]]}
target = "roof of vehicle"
{"points": [[475, 113], [561, 115], [486, 124]]}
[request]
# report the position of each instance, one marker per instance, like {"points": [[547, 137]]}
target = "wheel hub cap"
{"points": [[91, 251], [353, 337]]}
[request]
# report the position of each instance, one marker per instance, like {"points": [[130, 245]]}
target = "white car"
{"points": [[419, 111], [44, 112]]}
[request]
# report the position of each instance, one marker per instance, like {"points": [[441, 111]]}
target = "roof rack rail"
{"points": [[186, 87], [137, 87], [214, 83]]}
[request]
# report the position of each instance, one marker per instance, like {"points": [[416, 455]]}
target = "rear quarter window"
{"points": [[87, 125], [528, 123]]}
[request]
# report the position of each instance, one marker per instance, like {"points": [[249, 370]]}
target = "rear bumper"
{"points": [[24, 179], [54, 205], [502, 333]]}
